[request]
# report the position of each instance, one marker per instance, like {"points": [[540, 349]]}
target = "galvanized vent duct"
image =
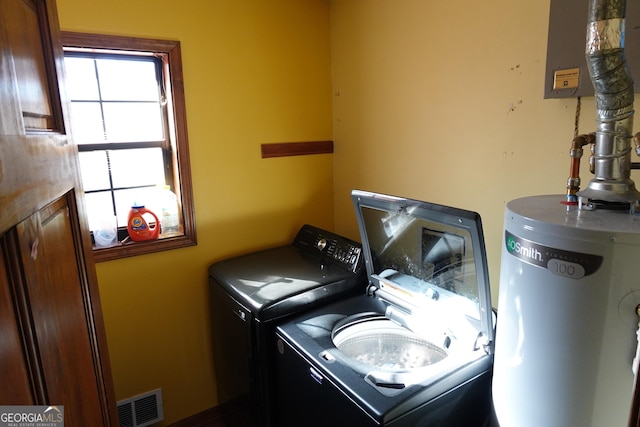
{"points": [[613, 87]]}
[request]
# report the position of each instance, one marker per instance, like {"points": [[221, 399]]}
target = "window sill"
{"points": [[130, 248]]}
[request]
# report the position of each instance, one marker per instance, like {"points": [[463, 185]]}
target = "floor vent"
{"points": [[142, 410]]}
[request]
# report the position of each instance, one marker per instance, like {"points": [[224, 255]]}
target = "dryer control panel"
{"points": [[335, 248]]}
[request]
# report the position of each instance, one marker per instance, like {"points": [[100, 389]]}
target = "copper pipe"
{"points": [[573, 183], [636, 142]]}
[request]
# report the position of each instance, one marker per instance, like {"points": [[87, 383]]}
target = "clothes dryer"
{"points": [[251, 293]]}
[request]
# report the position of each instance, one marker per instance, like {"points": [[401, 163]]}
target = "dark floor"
{"points": [[230, 414], [236, 414]]}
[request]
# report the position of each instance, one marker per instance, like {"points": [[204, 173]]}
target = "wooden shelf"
{"points": [[296, 148]]}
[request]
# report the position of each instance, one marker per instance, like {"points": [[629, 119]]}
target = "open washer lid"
{"points": [[426, 259]]}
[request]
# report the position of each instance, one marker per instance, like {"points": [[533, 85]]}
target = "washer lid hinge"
{"points": [[371, 290], [483, 342]]}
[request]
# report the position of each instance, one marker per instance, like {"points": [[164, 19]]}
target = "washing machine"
{"points": [[416, 348], [252, 292]]}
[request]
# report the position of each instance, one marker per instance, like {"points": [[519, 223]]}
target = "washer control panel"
{"points": [[335, 248]]}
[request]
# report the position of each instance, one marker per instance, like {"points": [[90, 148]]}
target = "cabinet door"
{"points": [[38, 161], [57, 290], [53, 346], [26, 23], [17, 381]]}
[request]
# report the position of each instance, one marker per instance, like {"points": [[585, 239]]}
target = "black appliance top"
{"points": [[310, 333], [318, 265]]}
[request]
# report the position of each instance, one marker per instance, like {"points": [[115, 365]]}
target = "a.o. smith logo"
{"points": [[32, 416], [558, 261], [526, 250]]}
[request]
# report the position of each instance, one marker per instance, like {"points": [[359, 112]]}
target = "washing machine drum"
{"points": [[380, 343]]}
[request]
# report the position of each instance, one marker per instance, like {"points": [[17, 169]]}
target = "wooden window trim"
{"points": [[179, 124]]}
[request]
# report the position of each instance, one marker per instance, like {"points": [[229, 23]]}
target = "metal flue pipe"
{"points": [[613, 87]]}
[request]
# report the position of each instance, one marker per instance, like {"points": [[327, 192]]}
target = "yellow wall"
{"points": [[444, 102], [431, 100], [255, 72]]}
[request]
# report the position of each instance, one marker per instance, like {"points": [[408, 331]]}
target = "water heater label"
{"points": [[558, 261]]}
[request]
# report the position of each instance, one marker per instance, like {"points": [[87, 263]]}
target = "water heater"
{"points": [[567, 321]]}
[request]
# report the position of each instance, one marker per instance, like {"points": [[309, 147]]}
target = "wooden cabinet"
{"points": [[52, 342], [13, 361], [29, 60]]}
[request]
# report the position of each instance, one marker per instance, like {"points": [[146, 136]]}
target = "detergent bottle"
{"points": [[140, 224]]}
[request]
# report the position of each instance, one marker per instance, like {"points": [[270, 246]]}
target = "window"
{"points": [[127, 117]]}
